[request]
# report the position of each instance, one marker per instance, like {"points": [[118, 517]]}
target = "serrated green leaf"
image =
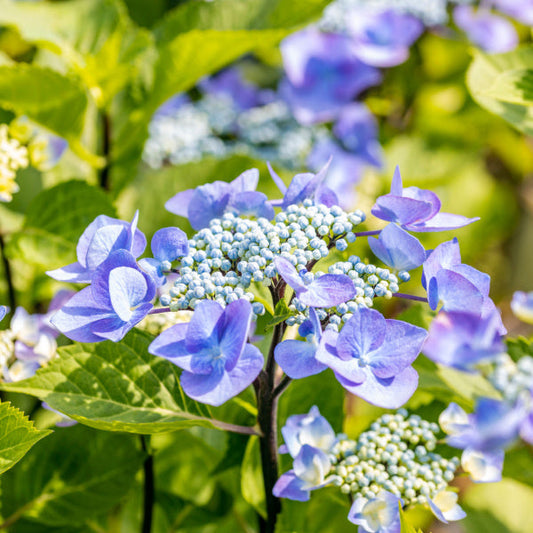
{"points": [[116, 387], [281, 313], [252, 487], [496, 81], [72, 476], [68, 208], [17, 435]]}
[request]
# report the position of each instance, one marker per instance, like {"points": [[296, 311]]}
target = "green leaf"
{"points": [[281, 313], [17, 435], [237, 15], [502, 83], [116, 387], [74, 475], [519, 347], [252, 488], [59, 105], [518, 465], [68, 208], [406, 527]]}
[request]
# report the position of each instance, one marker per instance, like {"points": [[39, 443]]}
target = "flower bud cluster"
{"points": [[13, 156], [214, 126], [233, 252], [397, 455], [512, 379]]}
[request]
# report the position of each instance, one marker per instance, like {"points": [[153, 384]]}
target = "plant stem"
{"points": [[410, 297], [149, 490], [368, 233], [106, 151], [159, 310], [8, 276]]}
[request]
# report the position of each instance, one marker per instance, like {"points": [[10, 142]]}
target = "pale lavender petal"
{"points": [[127, 288], [179, 203], [389, 393], [396, 187], [441, 222], [105, 241], [401, 210], [328, 290], [247, 181], [277, 180], [202, 332], [208, 202], [252, 203], [289, 486], [87, 236], [297, 359], [170, 344], [73, 273], [455, 292], [289, 274]]}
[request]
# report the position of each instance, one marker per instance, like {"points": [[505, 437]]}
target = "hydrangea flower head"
{"points": [[415, 209], [212, 200], [212, 349], [102, 237], [119, 297], [323, 74], [376, 515], [383, 38], [372, 357]]}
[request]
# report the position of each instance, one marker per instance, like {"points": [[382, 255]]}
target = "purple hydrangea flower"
{"points": [[323, 74], [445, 507], [383, 38], [376, 515], [522, 306], [328, 290], [372, 357], [310, 468], [212, 350], [521, 10], [461, 340], [297, 358], [212, 200], [102, 237], [119, 297], [490, 32], [494, 425], [397, 249], [311, 429], [415, 209], [168, 244]]}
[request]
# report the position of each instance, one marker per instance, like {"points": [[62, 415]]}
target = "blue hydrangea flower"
{"points": [[445, 507], [297, 358], [397, 248], [3, 311], [494, 425], [119, 297], [376, 515], [522, 306], [461, 340], [490, 32], [311, 429], [212, 200], [102, 237], [168, 244], [310, 468], [372, 357], [323, 74], [483, 467], [304, 186], [212, 349], [328, 290], [415, 209], [383, 38]]}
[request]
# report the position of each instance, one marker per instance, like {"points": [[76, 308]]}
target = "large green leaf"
{"points": [[502, 83], [116, 387], [17, 435], [74, 475], [237, 15], [252, 486]]}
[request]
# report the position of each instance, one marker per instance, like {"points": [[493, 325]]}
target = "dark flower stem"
{"points": [[8, 276], [410, 297], [149, 490], [159, 310], [106, 151]]}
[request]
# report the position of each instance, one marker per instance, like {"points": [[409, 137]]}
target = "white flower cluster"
{"points": [[233, 252], [13, 156], [397, 455], [512, 379]]}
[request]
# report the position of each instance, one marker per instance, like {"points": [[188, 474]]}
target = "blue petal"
{"points": [[3, 311], [328, 290], [233, 330], [247, 181], [87, 236], [153, 268], [441, 222], [289, 274], [297, 359], [208, 202], [277, 180], [169, 243], [201, 333], [105, 241], [290, 486], [73, 273], [127, 289], [179, 203], [170, 344]]}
